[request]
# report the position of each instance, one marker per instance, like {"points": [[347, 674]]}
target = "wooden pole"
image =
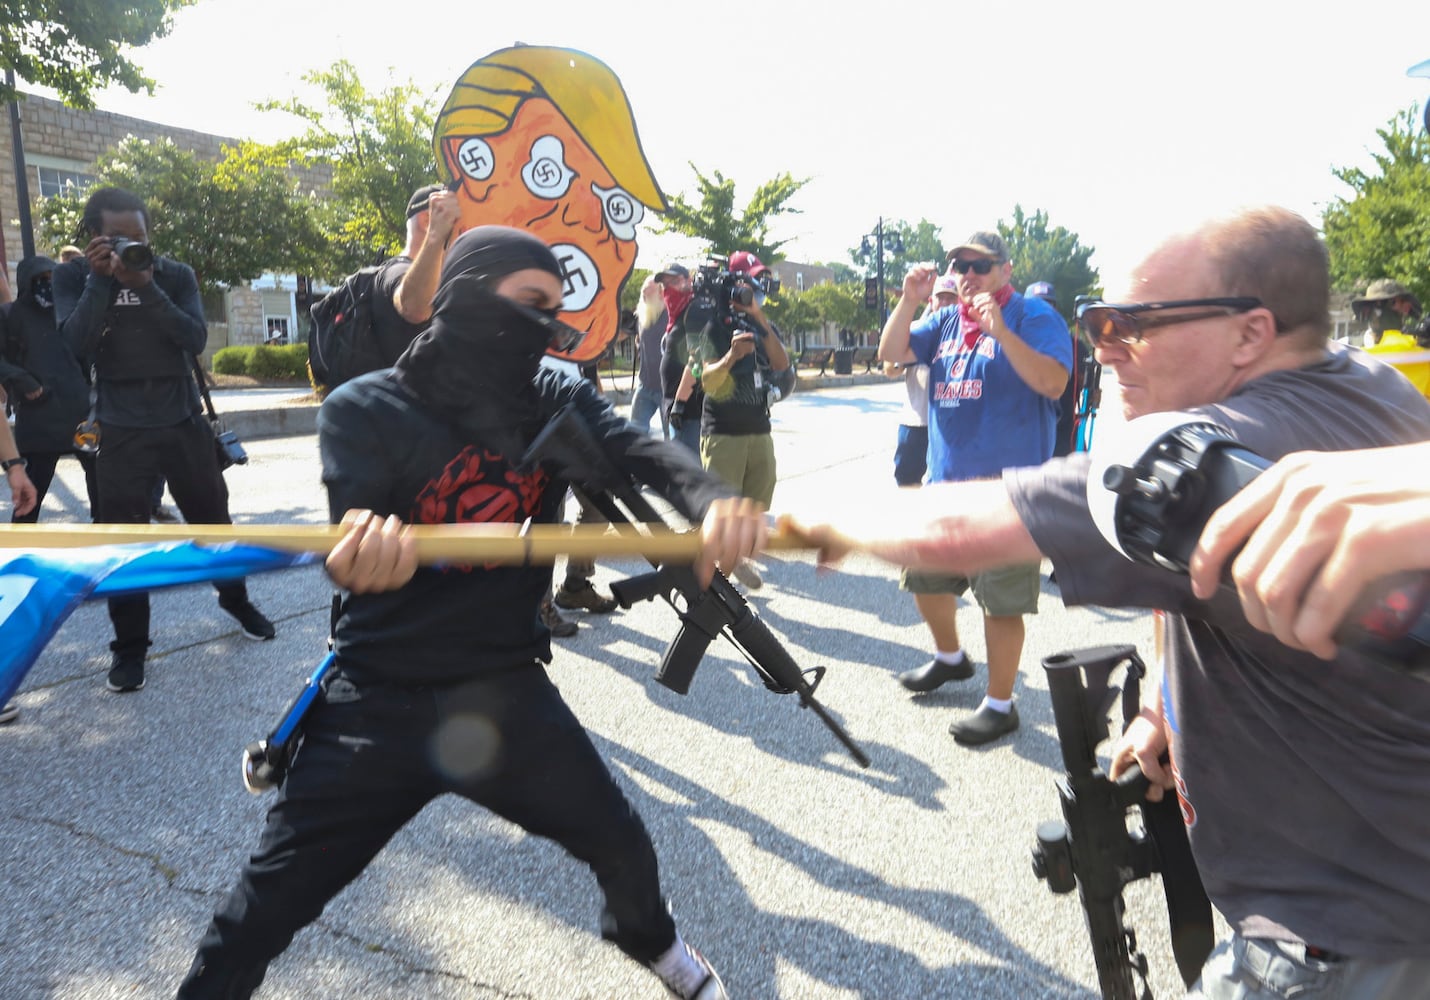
{"points": [[502, 544]]}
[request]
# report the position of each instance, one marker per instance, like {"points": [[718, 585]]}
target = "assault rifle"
{"points": [[567, 448], [1091, 848]]}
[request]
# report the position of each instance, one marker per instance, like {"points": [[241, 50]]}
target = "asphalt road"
{"points": [[798, 873]]}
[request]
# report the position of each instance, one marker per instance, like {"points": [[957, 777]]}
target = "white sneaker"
{"points": [[687, 974]]}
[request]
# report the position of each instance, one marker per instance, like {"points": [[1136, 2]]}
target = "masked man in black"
{"points": [[46, 383], [439, 685], [139, 317]]}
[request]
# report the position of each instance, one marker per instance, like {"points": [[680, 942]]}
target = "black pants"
{"points": [[373, 756], [129, 460], [40, 465]]}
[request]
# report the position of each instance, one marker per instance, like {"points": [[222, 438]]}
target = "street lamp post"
{"points": [[893, 243]]}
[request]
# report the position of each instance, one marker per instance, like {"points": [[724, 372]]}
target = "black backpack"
{"points": [[341, 343]]}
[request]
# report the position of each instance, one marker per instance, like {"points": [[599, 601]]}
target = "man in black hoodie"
{"points": [[143, 324], [46, 383], [439, 684]]}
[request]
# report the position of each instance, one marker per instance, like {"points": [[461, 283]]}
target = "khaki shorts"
{"points": [[745, 461], [1003, 592]]}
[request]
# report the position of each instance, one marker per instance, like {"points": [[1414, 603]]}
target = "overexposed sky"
{"points": [[1123, 120]]}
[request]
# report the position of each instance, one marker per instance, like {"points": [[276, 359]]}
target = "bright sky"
{"points": [[1122, 120]]}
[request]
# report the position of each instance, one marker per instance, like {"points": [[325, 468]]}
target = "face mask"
{"points": [[43, 292], [1386, 318]]}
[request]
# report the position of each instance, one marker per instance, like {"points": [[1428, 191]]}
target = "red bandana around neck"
{"points": [[675, 303], [968, 319]]}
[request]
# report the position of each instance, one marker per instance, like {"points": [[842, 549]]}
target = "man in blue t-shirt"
{"points": [[998, 366]]}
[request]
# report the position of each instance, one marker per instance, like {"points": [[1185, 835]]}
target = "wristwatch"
{"points": [[10, 463]]}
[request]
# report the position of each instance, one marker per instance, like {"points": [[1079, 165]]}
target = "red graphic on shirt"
{"points": [[1189, 814], [479, 487]]}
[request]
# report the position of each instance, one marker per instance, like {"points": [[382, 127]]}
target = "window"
{"points": [[799, 281], [55, 181]]}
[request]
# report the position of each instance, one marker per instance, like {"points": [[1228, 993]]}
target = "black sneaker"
{"points": [[253, 622], [126, 673], [936, 674], [587, 597], [163, 515]]}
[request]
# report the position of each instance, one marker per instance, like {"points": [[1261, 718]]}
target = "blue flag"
{"points": [[40, 588]]}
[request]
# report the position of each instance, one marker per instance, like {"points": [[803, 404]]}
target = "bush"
{"points": [[267, 364], [231, 360]]}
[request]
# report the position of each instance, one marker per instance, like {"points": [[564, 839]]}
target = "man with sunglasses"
{"points": [[998, 365], [1305, 783], [439, 684]]}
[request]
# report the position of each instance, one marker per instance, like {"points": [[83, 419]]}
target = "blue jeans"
{"points": [[1257, 969], [645, 405]]}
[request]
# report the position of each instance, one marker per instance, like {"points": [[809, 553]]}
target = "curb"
{"points": [[291, 420]]}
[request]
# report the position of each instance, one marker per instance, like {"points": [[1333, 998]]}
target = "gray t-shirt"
{"points": [[1305, 784]]}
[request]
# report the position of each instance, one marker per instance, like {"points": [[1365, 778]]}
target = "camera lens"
{"points": [[134, 255]]}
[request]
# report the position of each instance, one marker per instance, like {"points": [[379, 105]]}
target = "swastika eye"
{"points": [[475, 159], [546, 174], [623, 213]]}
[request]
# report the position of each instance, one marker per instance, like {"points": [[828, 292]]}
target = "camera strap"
{"points": [[204, 389]]}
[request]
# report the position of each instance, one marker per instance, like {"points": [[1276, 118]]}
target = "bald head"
{"points": [[1278, 257]]}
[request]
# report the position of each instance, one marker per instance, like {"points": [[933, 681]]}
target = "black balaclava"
{"points": [[33, 280], [475, 362]]}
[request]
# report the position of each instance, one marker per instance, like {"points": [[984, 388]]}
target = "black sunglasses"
{"points": [[1102, 323], [564, 338], [977, 266]]}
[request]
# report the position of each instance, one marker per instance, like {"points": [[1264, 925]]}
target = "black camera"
{"points": [[717, 290], [132, 254]]}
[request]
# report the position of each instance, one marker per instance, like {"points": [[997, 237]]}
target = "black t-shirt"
{"points": [[393, 332], [382, 450]]}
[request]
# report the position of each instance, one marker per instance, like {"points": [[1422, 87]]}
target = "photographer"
{"points": [[139, 317], [743, 367]]}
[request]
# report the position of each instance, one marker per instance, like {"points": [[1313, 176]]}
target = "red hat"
{"points": [[744, 262]]}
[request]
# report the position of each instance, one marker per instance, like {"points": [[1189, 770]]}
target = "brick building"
{"points": [[61, 145]]}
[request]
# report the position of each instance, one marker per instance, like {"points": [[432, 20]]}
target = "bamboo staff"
{"points": [[502, 544]]}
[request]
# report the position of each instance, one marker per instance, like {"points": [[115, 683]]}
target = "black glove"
{"points": [[677, 414]]}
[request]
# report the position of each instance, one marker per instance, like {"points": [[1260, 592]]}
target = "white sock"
{"points": [[1004, 705], [679, 967], [951, 659]]}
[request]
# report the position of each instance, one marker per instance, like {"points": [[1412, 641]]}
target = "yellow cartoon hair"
{"points": [[485, 100]]}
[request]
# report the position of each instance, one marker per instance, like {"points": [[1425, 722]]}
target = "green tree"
{"points": [[379, 148], [714, 222], [77, 47], [1383, 229], [230, 221], [1040, 253]]}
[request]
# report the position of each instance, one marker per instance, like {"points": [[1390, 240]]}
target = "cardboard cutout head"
{"points": [[543, 139]]}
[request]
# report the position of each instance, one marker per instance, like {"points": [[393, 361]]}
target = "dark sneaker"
{"points": [[164, 515], [9, 713], [254, 623], [587, 597], [746, 573], [936, 674], [687, 974], [126, 673], [562, 628], [985, 726]]}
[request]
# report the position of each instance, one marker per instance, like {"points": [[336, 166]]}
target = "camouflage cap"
{"points": [[1383, 290]]}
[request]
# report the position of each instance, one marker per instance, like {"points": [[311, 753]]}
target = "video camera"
{"points": [[717, 290], [132, 254]]}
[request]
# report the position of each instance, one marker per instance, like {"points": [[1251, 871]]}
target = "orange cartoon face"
{"points": [[540, 176]]}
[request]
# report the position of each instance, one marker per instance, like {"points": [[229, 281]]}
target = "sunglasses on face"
{"points": [[1102, 323], [977, 266], [563, 337]]}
